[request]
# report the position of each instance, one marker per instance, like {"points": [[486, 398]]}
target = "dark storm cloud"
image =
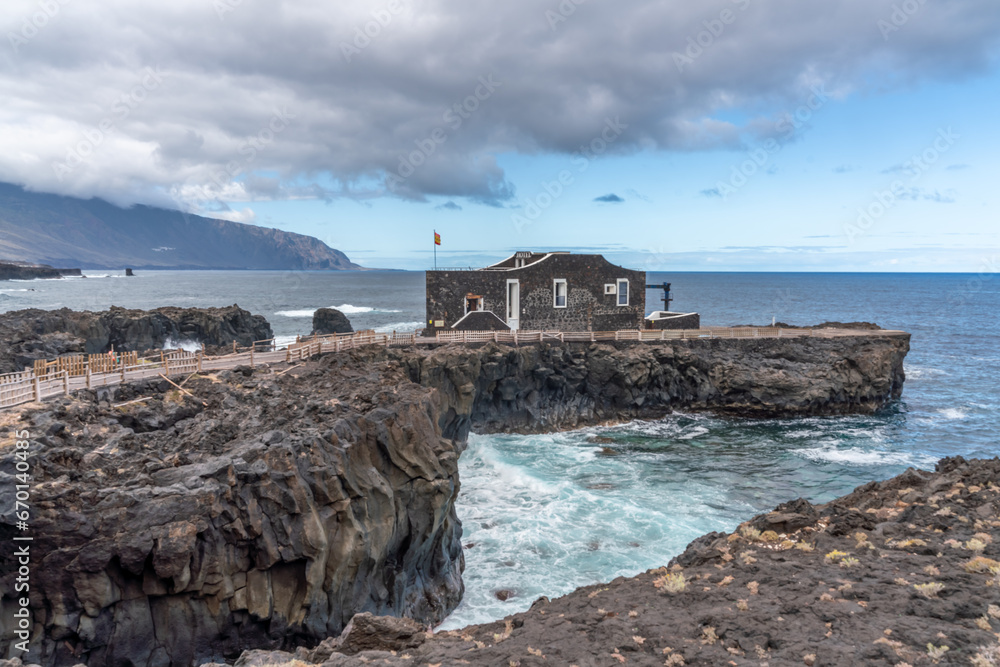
{"points": [[230, 100]]}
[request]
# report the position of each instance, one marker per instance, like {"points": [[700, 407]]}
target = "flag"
{"points": [[437, 239]]}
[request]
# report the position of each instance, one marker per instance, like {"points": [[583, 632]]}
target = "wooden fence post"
{"points": [[88, 376], [251, 357], [38, 389], [66, 383], [199, 356]]}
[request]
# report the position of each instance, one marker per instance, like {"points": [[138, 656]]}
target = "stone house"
{"points": [[537, 291]]}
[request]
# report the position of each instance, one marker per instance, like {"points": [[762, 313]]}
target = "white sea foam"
{"points": [[952, 413], [351, 310], [864, 457], [401, 327], [186, 345], [346, 308], [296, 313], [542, 515], [283, 341], [921, 372]]}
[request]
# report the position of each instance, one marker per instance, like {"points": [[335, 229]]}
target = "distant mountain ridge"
{"points": [[94, 234]]}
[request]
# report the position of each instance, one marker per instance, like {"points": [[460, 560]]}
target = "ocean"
{"points": [[545, 514]]}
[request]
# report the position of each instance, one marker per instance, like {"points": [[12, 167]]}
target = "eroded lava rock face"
{"points": [[168, 532], [537, 388]]}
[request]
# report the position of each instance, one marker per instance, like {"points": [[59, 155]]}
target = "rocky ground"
{"points": [[27, 335], [901, 572], [265, 508], [260, 510]]}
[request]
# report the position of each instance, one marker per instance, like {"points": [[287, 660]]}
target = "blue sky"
{"points": [[725, 135], [799, 211]]}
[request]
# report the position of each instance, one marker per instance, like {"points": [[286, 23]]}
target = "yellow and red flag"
{"points": [[437, 239]]}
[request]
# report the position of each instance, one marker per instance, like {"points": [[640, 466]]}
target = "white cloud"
{"points": [[263, 103]]}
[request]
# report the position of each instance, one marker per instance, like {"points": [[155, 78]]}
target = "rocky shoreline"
{"points": [[26, 271], [900, 572], [266, 507], [27, 335]]}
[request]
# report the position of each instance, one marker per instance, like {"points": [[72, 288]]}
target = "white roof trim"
{"points": [[479, 311]]}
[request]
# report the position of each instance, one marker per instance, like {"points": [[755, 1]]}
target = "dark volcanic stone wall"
{"points": [[588, 308], [686, 321]]}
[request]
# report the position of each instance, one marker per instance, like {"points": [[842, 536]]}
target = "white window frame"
{"points": [[610, 289], [618, 292], [555, 292]]}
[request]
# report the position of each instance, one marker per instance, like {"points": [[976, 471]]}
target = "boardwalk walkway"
{"points": [[65, 375]]}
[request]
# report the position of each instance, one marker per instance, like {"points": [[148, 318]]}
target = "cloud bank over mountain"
{"points": [[198, 101]]}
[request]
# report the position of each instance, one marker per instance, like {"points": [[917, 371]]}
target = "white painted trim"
{"points": [[513, 322], [618, 292], [555, 294], [471, 312]]}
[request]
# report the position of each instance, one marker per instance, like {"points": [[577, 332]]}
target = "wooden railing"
{"points": [[62, 376]]}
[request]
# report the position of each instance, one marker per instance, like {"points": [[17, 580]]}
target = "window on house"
{"points": [[622, 292], [559, 293]]}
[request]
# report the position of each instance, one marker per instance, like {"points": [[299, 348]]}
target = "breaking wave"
{"points": [[856, 456], [346, 308]]}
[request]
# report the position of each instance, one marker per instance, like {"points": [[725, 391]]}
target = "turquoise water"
{"points": [[546, 514]]}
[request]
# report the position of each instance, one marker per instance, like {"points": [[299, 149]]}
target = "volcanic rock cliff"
{"points": [[22, 271], [538, 388], [27, 335], [264, 510], [171, 531]]}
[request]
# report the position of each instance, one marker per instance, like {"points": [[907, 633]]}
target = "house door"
{"points": [[513, 304]]}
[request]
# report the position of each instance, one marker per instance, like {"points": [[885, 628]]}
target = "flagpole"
{"points": [[435, 250]]}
